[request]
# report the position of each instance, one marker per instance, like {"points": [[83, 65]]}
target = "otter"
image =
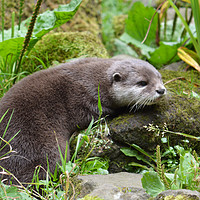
{"points": [[48, 106]]}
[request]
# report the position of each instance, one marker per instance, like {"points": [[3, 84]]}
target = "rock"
{"points": [[65, 46], [177, 66], [126, 186], [129, 128], [178, 195], [119, 186]]}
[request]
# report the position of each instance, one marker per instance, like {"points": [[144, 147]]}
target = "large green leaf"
{"points": [[46, 22], [138, 22], [152, 184]]}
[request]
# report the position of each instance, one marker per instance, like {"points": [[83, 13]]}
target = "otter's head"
{"points": [[135, 83]]}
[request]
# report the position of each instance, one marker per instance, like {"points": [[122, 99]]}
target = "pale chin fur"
{"points": [[138, 99]]}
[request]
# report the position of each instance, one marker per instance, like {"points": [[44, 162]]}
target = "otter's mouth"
{"points": [[159, 98]]}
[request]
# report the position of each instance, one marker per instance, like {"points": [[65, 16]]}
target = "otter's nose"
{"points": [[161, 91]]}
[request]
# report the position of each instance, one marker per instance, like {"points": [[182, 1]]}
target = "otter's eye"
{"points": [[117, 77], [142, 83]]}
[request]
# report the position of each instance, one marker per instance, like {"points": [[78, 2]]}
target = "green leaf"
{"points": [[152, 184], [142, 151], [165, 54], [123, 48], [145, 49], [133, 153], [187, 168], [136, 28], [11, 192], [50, 20], [138, 22], [11, 48], [95, 166], [139, 165], [46, 22]]}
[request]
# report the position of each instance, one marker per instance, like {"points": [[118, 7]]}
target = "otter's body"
{"points": [[53, 103]]}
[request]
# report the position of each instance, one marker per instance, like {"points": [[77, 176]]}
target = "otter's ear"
{"points": [[117, 77]]}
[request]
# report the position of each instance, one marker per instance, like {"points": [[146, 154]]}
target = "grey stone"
{"points": [[177, 66], [119, 186]]}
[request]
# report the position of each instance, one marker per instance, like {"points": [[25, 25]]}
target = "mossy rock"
{"points": [[181, 194], [60, 47], [179, 111], [181, 83], [88, 197], [119, 24]]}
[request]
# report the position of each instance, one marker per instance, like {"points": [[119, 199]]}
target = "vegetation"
{"points": [[18, 41], [124, 31], [166, 172]]}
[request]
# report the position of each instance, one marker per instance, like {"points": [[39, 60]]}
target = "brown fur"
{"points": [[54, 103]]}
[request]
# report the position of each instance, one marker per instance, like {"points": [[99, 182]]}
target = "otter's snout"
{"points": [[161, 91]]}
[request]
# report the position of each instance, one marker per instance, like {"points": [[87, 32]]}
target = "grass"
{"points": [[60, 184]]}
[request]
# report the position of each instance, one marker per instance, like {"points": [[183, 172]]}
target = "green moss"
{"points": [[180, 99], [181, 83], [88, 197], [63, 46], [119, 24], [179, 197]]}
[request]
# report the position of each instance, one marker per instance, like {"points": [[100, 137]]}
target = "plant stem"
{"points": [[13, 25], [164, 178], [3, 15], [28, 35], [158, 159], [20, 12]]}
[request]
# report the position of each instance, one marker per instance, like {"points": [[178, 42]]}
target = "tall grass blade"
{"points": [[142, 151], [80, 142], [196, 12], [7, 125], [3, 15], [196, 45], [99, 104], [13, 25]]}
